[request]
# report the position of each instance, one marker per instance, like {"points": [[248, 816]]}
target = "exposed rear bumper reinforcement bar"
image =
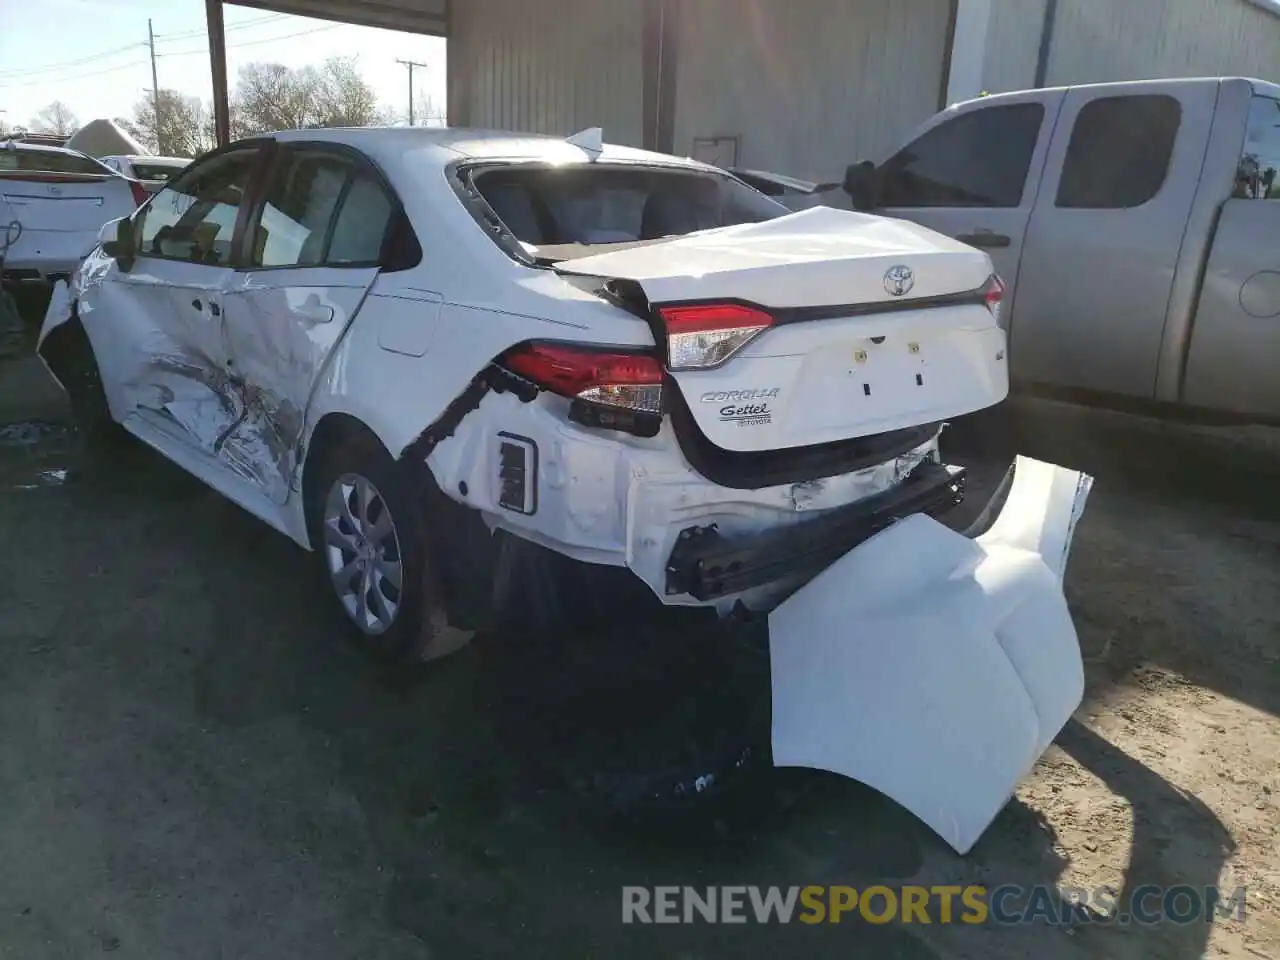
{"points": [[707, 565]]}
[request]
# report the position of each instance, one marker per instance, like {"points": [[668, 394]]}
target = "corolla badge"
{"points": [[899, 280]]}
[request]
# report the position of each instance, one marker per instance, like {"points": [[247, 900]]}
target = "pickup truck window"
{"points": [[978, 159], [1260, 159], [1119, 152]]}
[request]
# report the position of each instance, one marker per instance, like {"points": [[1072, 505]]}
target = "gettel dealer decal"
{"points": [[746, 408]]}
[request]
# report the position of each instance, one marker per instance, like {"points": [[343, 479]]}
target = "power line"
{"points": [[257, 22], [249, 43], [27, 71], [81, 76]]}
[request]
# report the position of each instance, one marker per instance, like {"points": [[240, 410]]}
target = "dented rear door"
{"points": [[315, 250]]}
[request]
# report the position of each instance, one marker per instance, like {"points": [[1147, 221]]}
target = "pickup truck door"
{"points": [[973, 172], [1102, 246], [1236, 337]]}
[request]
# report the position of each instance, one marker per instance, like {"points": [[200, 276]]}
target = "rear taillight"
{"points": [[139, 193], [705, 335], [993, 295], [615, 386]]}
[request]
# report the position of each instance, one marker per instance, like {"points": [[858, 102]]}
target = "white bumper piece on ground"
{"points": [[934, 667]]}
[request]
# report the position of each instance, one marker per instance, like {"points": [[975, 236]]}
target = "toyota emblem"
{"points": [[899, 280]]}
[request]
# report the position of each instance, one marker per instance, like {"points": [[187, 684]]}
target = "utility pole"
{"points": [[155, 86], [411, 64]]}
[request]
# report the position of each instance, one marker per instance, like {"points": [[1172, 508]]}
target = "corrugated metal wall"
{"points": [[549, 66], [1101, 40], [1013, 45], [810, 86]]}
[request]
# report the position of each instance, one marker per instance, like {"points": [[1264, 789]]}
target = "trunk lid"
{"points": [[64, 203], [855, 348]]}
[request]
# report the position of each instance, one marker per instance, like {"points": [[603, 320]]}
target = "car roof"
{"points": [[39, 148], [453, 143]]}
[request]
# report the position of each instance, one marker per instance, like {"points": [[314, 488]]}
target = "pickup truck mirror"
{"points": [[860, 184], [116, 238]]}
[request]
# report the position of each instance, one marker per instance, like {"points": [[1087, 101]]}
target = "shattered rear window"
{"points": [[17, 160], [594, 204]]}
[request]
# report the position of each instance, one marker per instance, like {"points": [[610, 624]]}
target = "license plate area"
{"points": [[890, 375]]}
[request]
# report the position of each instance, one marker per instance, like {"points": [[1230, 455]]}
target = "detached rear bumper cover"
{"points": [[933, 667]]}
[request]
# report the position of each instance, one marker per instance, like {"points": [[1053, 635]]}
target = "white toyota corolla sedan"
{"points": [[495, 376]]}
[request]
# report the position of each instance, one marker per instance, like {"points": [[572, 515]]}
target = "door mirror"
{"points": [[116, 238], [860, 185]]}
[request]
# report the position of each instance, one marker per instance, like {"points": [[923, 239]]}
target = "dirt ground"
{"points": [[194, 764]]}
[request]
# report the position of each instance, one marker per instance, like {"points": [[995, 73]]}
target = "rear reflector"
{"points": [[993, 295], [630, 381], [705, 335]]}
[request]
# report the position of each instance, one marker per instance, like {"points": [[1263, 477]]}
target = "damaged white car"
{"points": [[455, 363]]}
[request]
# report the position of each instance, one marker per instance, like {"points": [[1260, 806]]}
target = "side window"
{"points": [[320, 210], [194, 217], [1260, 158], [1119, 152], [978, 159]]}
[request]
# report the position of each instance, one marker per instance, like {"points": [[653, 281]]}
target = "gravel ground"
{"points": [[194, 764]]}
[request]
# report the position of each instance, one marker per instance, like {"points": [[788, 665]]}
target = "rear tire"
{"points": [[369, 532]]}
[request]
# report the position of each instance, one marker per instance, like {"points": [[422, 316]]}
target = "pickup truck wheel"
{"points": [[369, 533]]}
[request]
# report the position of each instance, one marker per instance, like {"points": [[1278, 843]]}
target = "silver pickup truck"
{"points": [[1136, 226]]}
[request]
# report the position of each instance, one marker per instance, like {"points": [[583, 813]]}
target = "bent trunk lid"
{"points": [[851, 352]]}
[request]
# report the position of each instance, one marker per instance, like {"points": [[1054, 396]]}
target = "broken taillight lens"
{"points": [[705, 335], [993, 295], [629, 381]]}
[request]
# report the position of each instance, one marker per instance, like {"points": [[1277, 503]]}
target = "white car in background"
{"points": [[152, 172], [53, 202], [454, 362]]}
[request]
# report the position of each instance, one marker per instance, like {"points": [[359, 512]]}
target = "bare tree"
{"points": [[271, 96], [182, 127], [340, 97], [56, 119]]}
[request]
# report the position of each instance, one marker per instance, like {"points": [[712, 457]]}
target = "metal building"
{"points": [[802, 87]]}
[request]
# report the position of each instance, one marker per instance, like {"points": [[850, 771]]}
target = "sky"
{"points": [[92, 54]]}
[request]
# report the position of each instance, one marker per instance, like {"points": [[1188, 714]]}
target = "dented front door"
{"points": [[160, 335], [314, 255]]}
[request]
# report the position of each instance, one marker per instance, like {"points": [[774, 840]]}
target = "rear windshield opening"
{"points": [[40, 161], [597, 204]]}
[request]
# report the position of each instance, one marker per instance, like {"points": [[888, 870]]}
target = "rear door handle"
{"points": [[985, 238]]}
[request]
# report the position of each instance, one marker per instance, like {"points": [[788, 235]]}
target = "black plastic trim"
{"points": [[707, 565]]}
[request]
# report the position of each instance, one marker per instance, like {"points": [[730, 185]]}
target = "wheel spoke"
{"points": [[364, 497], [335, 537], [382, 526], [390, 571], [381, 607], [342, 579], [345, 507], [362, 600]]}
